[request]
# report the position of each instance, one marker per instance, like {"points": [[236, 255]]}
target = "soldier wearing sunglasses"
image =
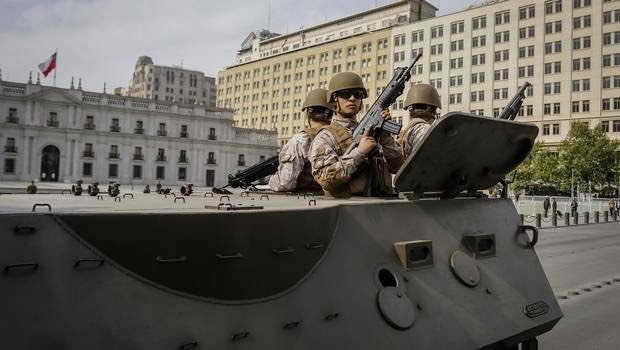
{"points": [[422, 103], [344, 175], [294, 171]]}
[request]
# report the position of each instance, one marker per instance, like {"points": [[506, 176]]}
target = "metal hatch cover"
{"points": [[465, 152]]}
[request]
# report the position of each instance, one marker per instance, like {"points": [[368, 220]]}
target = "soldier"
{"points": [[422, 103], [335, 171], [295, 171], [186, 191], [94, 189], [32, 188], [158, 187], [77, 188], [147, 189], [115, 189]]}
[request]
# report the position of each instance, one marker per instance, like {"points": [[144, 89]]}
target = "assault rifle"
{"points": [[245, 178], [511, 110], [373, 119]]}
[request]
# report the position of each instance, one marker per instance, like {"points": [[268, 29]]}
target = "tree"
{"points": [[588, 154], [538, 170]]}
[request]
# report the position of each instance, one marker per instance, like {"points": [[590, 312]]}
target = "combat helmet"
{"points": [[317, 97], [422, 94], [344, 81]]}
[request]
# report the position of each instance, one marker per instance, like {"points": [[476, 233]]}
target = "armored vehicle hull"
{"points": [[257, 271]]}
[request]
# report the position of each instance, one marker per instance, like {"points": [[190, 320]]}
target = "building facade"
{"points": [[171, 84], [569, 50], [274, 72], [55, 134]]}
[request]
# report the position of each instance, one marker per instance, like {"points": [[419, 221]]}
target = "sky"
{"points": [[100, 40]]}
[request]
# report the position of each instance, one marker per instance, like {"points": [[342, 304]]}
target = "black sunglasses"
{"points": [[346, 94], [326, 112]]}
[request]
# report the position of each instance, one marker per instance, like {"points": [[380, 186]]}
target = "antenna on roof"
{"points": [[269, 16]]}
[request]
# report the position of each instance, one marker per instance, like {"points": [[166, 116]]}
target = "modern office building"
{"points": [[171, 83], [273, 72], [569, 50], [55, 134]]}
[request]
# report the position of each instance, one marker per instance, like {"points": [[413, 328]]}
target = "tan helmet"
{"points": [[345, 80], [422, 94], [317, 97]]}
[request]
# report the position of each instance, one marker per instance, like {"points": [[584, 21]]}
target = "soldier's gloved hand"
{"points": [[367, 143]]}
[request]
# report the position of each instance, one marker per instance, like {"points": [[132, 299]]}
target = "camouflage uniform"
{"points": [[333, 170], [412, 134], [294, 169]]}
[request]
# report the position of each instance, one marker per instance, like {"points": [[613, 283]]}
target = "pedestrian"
{"points": [[517, 197], [422, 103], [32, 188], [295, 171], [612, 206], [546, 204], [338, 173], [147, 189], [573, 207], [554, 207], [158, 187]]}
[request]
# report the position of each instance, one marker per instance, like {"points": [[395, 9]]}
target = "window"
{"points": [[436, 32], [457, 27], [241, 160], [502, 17], [398, 40], [9, 165], [112, 170], [556, 129], [616, 126], [556, 108], [545, 130], [87, 169], [160, 173], [182, 174], [479, 22], [527, 12], [161, 155], [137, 172]]}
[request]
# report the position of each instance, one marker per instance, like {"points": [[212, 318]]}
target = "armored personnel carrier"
{"points": [[440, 267]]}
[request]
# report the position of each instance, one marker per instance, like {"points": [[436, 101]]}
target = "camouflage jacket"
{"points": [[412, 134], [293, 160], [331, 169]]}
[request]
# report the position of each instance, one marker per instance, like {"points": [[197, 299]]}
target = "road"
{"points": [[583, 267]]}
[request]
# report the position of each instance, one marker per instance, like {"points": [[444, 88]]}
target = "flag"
{"points": [[49, 65]]}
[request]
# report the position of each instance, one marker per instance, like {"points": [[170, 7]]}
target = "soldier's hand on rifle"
{"points": [[386, 114], [367, 143]]}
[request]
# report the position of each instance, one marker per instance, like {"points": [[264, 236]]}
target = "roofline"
{"points": [[376, 9], [304, 48]]}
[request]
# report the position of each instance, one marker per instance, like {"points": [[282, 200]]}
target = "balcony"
{"points": [[241, 163], [184, 134], [211, 161], [160, 158], [138, 156], [10, 149], [138, 131], [115, 128], [183, 160], [88, 154], [113, 155], [212, 137], [162, 133], [12, 119], [53, 123], [89, 126]]}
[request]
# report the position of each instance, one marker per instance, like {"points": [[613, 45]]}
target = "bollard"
{"points": [[596, 217], [522, 218], [605, 216], [538, 220], [576, 219], [615, 215], [554, 220], [566, 219], [586, 217]]}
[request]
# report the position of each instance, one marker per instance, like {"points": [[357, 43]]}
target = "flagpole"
{"points": [[55, 68]]}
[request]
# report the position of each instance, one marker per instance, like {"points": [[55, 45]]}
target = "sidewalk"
{"points": [[16, 187]]}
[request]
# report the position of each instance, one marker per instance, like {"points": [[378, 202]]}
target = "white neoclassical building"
{"points": [[56, 134]]}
